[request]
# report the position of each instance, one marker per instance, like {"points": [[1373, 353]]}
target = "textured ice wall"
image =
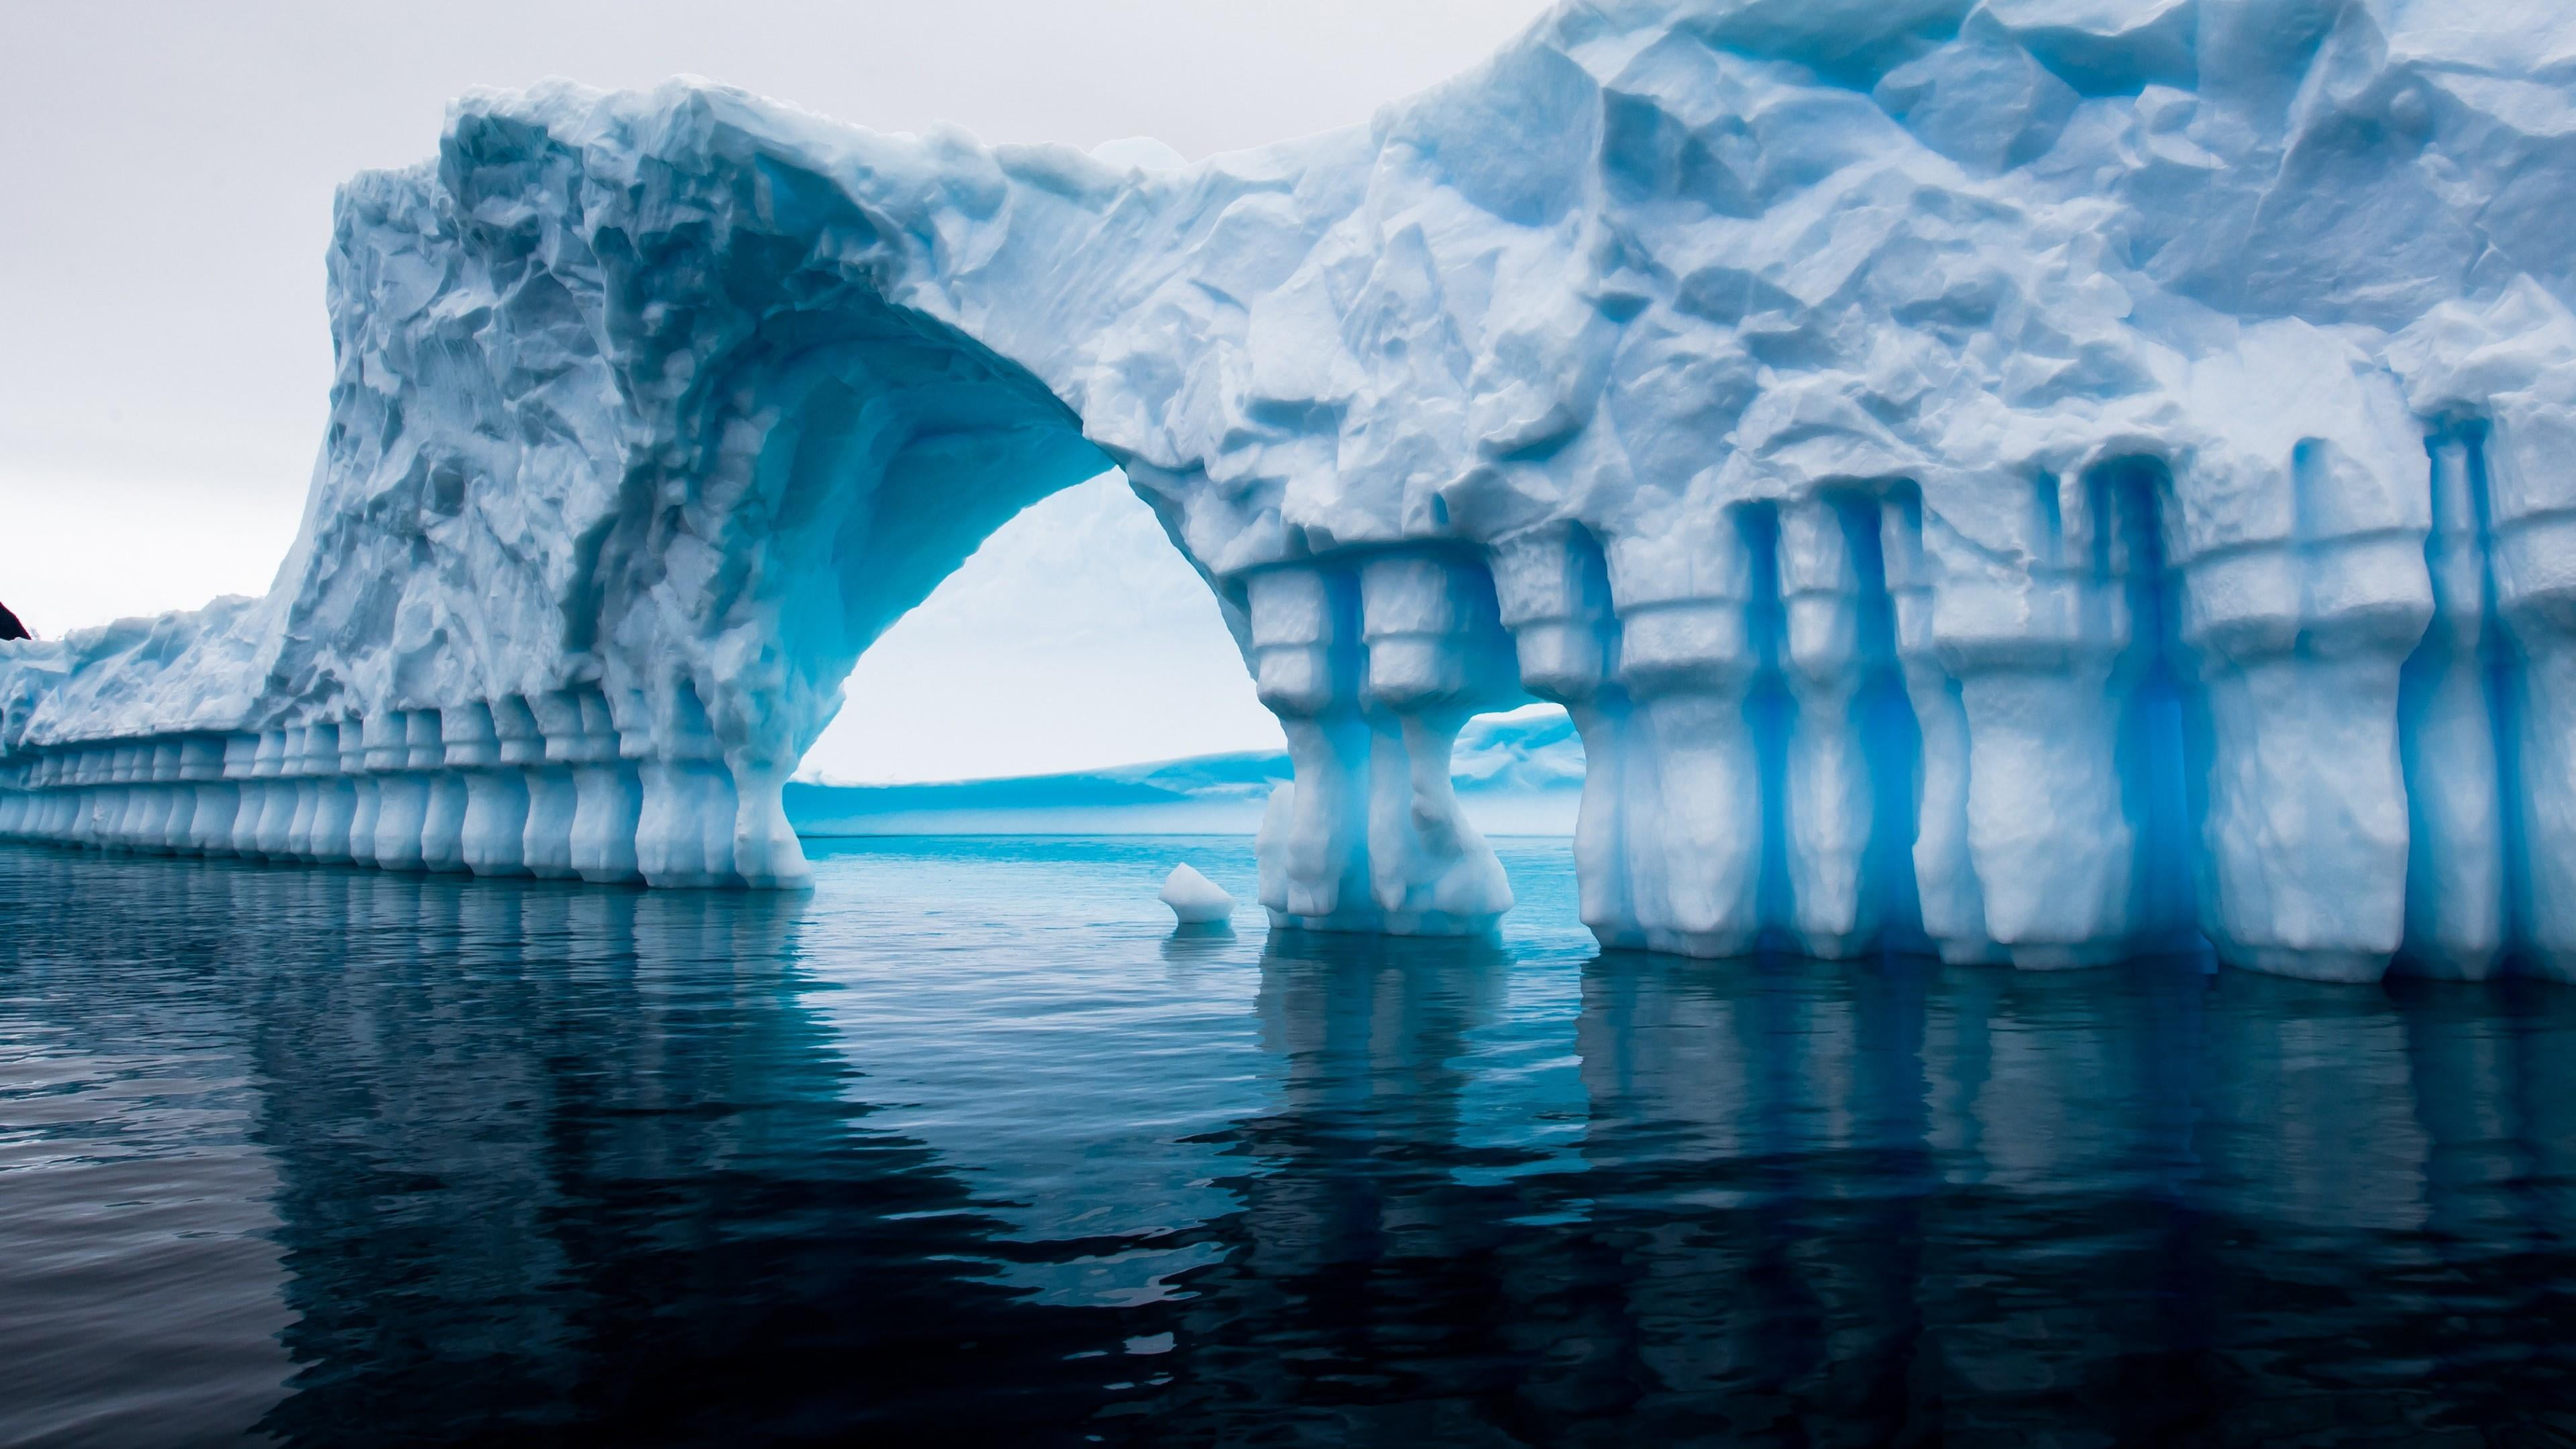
{"points": [[2030, 478]]}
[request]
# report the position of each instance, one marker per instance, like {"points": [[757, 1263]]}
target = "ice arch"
{"points": [[1767, 383]]}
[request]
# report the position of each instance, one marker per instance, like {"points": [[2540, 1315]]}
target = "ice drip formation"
{"points": [[2034, 480]]}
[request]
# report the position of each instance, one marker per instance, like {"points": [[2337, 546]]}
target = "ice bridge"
{"points": [[2035, 480]]}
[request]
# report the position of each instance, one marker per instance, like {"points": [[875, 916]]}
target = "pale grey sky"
{"points": [[167, 170]]}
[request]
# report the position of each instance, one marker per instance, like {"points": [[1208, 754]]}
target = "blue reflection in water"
{"points": [[968, 1145]]}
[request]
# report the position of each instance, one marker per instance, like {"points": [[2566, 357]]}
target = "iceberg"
{"points": [[2029, 480]]}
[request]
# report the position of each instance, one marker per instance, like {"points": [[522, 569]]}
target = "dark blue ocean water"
{"points": [[967, 1148]]}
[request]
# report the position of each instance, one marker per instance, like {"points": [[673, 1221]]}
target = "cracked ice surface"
{"points": [[2029, 479]]}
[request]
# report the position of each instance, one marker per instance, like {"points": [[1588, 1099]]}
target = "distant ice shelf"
{"points": [[2032, 480], [1519, 773]]}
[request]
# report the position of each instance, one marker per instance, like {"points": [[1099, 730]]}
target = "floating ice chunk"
{"points": [[1195, 900]]}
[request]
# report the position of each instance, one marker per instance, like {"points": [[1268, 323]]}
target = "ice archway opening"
{"points": [[886, 460], [839, 463], [1074, 639], [891, 447]]}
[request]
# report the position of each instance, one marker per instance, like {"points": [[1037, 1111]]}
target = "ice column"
{"points": [[201, 764], [1552, 589], [1845, 873], [380, 749], [1948, 893], [261, 833], [338, 749], [233, 832], [402, 793], [442, 822], [303, 768], [109, 805], [1436, 655], [1692, 804], [766, 852], [2298, 642], [684, 833], [491, 838], [2533, 506], [606, 798], [2035, 625], [16, 796], [552, 800], [2457, 874], [1306, 661], [160, 796]]}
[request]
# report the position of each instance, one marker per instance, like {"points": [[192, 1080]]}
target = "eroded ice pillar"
{"points": [[78, 764], [104, 798], [1552, 590], [276, 800], [2299, 641], [402, 791], [491, 838], [301, 768], [37, 797], [210, 820], [178, 823], [2530, 459], [766, 853], [1843, 882], [606, 798], [160, 776], [1951, 898], [117, 803], [39, 820], [442, 823], [46, 818], [17, 798], [552, 800], [1306, 663], [68, 802], [2457, 876], [684, 832], [2032, 625], [240, 828], [84, 769], [1693, 808], [338, 751], [381, 749], [1436, 655]]}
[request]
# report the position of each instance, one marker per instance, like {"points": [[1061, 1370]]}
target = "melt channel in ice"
{"points": [[2034, 480]]}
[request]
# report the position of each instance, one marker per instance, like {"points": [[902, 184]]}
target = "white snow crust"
{"points": [[2036, 480]]}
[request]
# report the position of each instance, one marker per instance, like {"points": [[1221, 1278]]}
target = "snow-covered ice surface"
{"points": [[2029, 478]]}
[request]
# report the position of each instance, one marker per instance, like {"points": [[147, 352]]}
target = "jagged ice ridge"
{"points": [[2030, 479]]}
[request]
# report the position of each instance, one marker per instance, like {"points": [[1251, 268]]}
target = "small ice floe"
{"points": [[1195, 900]]}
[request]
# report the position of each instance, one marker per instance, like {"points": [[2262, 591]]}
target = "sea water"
{"points": [[969, 1146]]}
